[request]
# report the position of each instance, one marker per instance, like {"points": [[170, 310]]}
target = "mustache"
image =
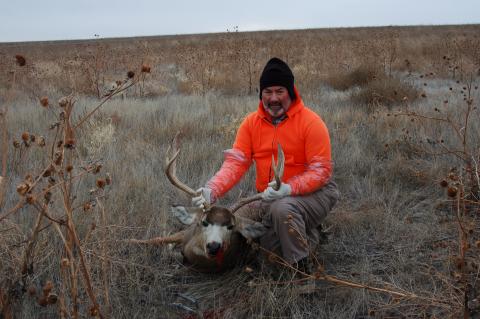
{"points": [[274, 104]]}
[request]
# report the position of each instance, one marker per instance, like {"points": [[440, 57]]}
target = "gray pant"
{"points": [[293, 221]]}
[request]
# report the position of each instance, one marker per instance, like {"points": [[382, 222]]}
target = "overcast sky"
{"points": [[81, 19]]}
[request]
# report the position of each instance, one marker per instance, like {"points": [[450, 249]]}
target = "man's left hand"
{"points": [[272, 194]]}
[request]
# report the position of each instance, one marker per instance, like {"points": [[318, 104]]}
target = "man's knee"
{"points": [[282, 208]]}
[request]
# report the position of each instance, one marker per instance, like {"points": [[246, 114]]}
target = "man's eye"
{"points": [[205, 223]]}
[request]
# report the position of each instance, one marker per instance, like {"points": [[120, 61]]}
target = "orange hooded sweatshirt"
{"points": [[305, 141]]}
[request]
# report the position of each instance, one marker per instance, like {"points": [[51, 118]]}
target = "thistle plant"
{"points": [[50, 194], [450, 132]]}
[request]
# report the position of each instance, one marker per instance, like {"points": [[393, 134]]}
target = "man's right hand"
{"points": [[203, 199]]}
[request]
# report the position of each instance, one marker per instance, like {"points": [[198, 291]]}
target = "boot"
{"points": [[306, 286], [304, 266]]}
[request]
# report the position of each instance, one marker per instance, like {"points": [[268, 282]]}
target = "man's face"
{"points": [[276, 100]]}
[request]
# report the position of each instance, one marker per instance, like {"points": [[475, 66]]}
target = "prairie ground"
{"points": [[398, 131]]}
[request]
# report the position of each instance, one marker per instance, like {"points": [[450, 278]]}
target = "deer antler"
{"points": [[171, 168], [278, 173], [278, 169]]}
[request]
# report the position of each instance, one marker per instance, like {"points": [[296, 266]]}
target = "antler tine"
{"points": [[171, 168], [278, 169], [278, 172]]}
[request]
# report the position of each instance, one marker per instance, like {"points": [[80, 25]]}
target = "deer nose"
{"points": [[213, 248]]}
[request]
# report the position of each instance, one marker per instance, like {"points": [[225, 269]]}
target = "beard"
{"points": [[275, 109]]}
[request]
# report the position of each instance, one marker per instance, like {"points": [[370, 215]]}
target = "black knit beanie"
{"points": [[277, 72]]}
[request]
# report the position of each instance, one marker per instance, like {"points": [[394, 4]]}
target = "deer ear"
{"points": [[184, 215], [249, 229]]}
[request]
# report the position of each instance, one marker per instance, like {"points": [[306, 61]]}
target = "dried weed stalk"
{"points": [[456, 140], [50, 193]]}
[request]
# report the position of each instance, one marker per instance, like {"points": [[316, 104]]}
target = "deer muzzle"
{"points": [[213, 248]]}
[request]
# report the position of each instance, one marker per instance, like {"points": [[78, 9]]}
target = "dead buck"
{"points": [[216, 239]]}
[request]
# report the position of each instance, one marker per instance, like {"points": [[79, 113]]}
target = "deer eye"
{"points": [[230, 227], [204, 223]]}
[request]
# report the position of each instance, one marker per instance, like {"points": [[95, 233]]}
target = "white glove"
{"points": [[271, 194], [204, 199]]}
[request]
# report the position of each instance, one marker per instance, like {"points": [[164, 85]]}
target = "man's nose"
{"points": [[273, 97]]}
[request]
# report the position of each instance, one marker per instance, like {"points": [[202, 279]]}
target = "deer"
{"points": [[215, 239]]}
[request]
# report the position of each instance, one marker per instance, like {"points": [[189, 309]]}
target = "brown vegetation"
{"points": [[404, 240]]}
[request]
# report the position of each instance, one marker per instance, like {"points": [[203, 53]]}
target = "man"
{"points": [[294, 212]]}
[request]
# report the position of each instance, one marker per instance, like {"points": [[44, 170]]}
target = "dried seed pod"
{"points": [[69, 168], [65, 262], [87, 206], [63, 101], [42, 301], [44, 101], [100, 183], [41, 141], [453, 176], [444, 183], [70, 143], [25, 136], [16, 144], [47, 288], [97, 168], [452, 191], [30, 199], [58, 158], [20, 59], [93, 311], [60, 143], [22, 189], [130, 74], [146, 68], [108, 180], [52, 299], [48, 172]]}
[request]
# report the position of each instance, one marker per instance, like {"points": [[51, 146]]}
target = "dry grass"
{"points": [[394, 227], [385, 91], [359, 77]]}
